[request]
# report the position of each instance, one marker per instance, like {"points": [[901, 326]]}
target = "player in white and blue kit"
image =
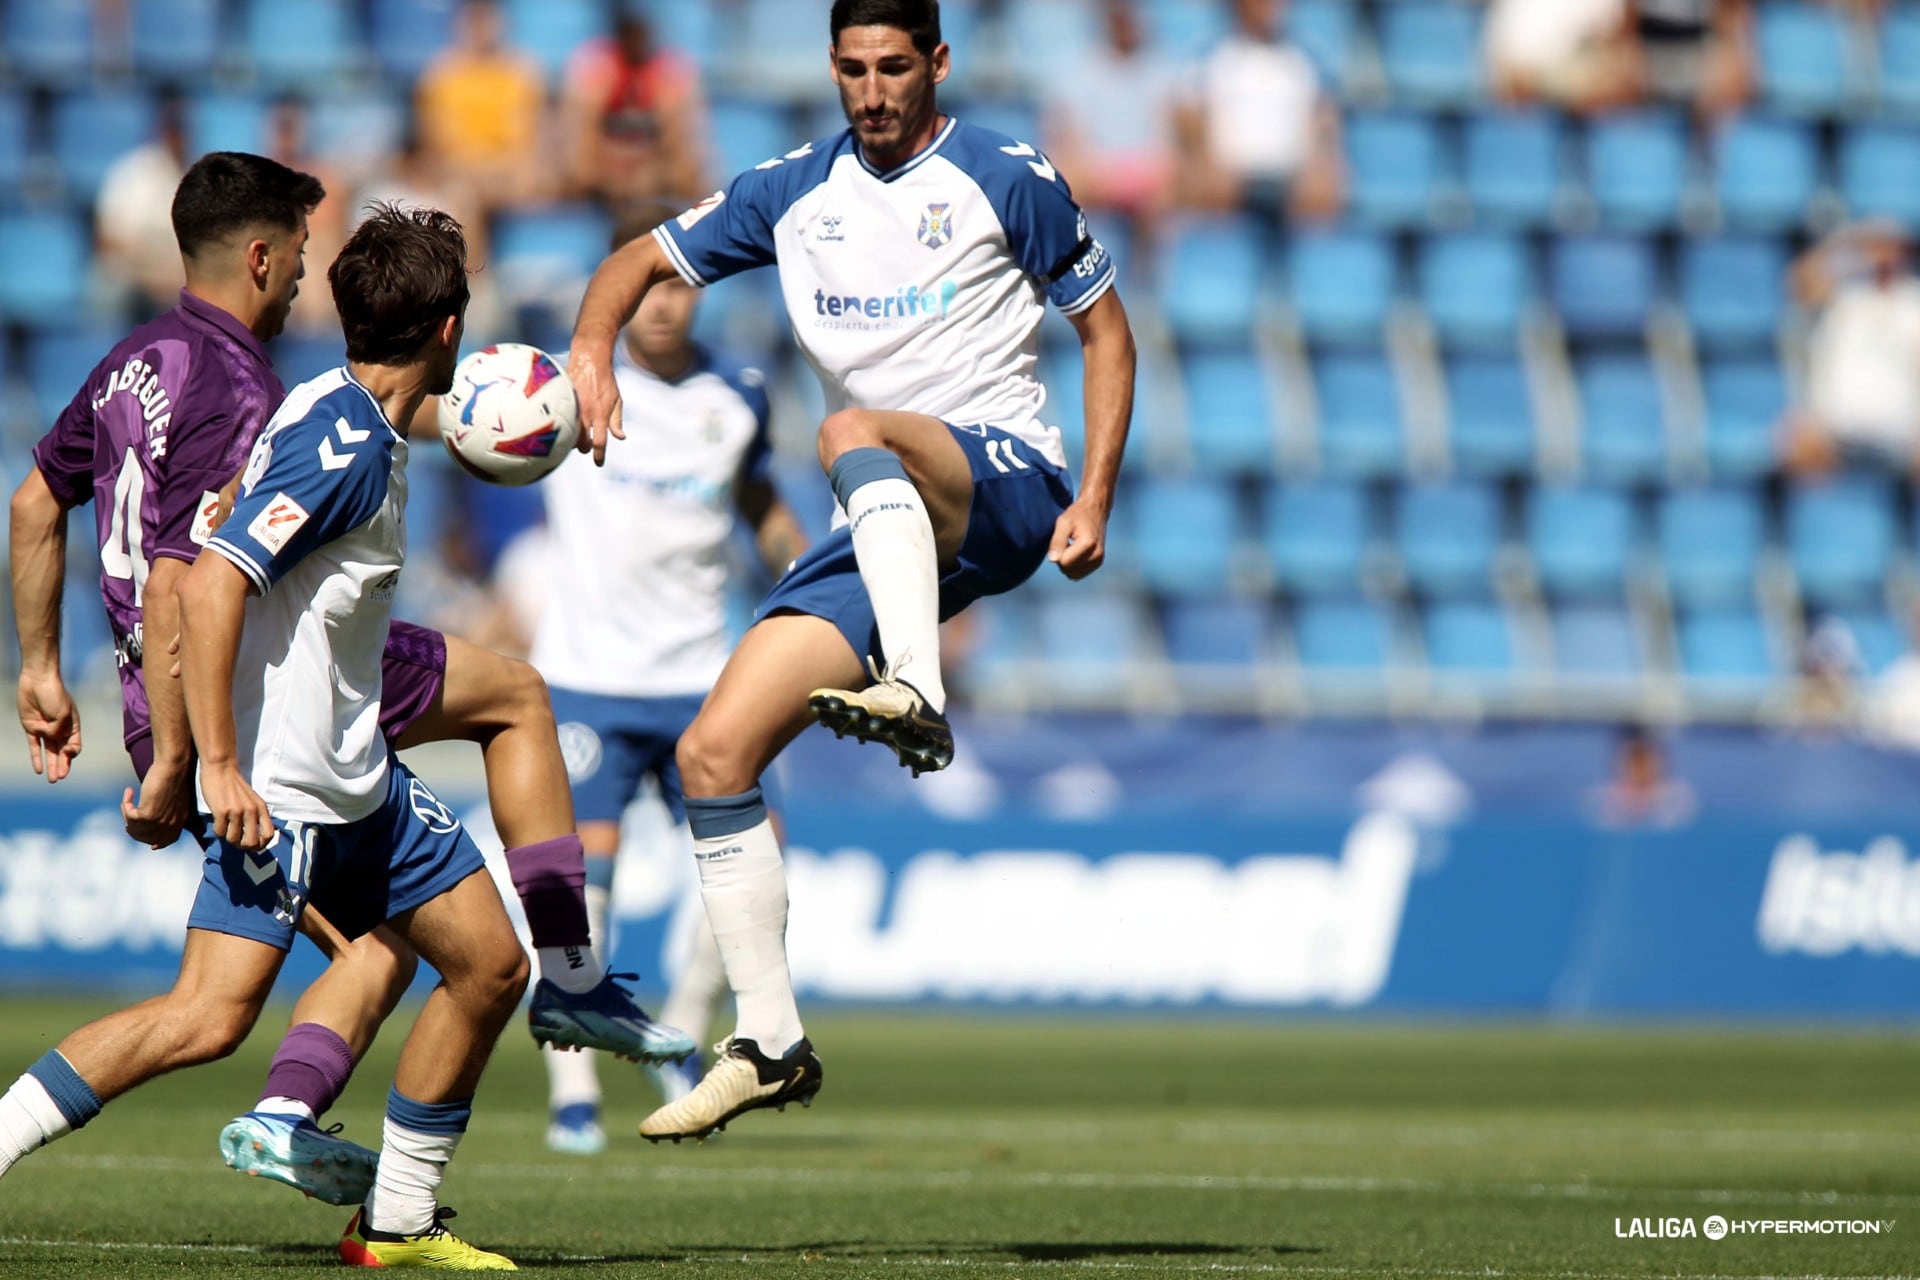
{"points": [[916, 255], [633, 631]]}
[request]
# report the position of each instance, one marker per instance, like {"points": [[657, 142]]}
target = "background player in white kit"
{"points": [[634, 629], [916, 256]]}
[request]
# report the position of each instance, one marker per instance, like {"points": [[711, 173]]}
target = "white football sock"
{"points": [[406, 1187], [281, 1106], [698, 985], [744, 885], [29, 1120], [598, 900], [893, 544], [571, 1077], [572, 969]]}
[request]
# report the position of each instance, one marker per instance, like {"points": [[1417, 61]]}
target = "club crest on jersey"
{"points": [[936, 225]]}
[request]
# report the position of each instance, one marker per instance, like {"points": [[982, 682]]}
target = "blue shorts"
{"points": [[611, 743], [358, 874], [1009, 527]]}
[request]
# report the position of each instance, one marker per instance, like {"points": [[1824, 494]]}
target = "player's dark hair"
{"points": [[226, 192], [400, 275], [920, 19], [640, 219]]}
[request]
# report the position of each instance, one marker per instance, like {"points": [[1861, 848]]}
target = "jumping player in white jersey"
{"points": [[634, 629], [916, 254], [283, 622]]}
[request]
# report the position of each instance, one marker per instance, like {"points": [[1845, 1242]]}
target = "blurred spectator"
{"points": [[1583, 55], [289, 142], [133, 221], [481, 109], [414, 177], [1698, 52], [1258, 130], [1641, 792], [633, 118], [1109, 123], [1891, 716], [1830, 672], [1863, 357]]}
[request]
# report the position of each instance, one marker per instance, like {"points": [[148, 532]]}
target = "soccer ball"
{"points": [[512, 416]]}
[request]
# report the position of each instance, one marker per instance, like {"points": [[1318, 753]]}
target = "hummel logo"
{"points": [[1041, 166]]}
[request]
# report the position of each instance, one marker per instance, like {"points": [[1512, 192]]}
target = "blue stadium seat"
{"points": [[1491, 412], [1325, 30], [1725, 646], [14, 144], [1878, 637], [1469, 638], [43, 267], [175, 39], [1179, 29], [1230, 419], [1217, 636], [1037, 31], [1431, 53], [299, 357], [1602, 285], [1880, 170], [1448, 535], [1766, 171], [1840, 537], [1018, 118], [58, 362], [1511, 166], [406, 34], [1474, 286], [1345, 636], [1211, 282], [1394, 164], [1900, 58], [1622, 427], [87, 644], [551, 30], [49, 41], [1580, 539], [1316, 537], [1185, 533], [1342, 283], [226, 122], [541, 250], [1745, 397], [1731, 288], [91, 131], [1360, 428], [302, 42], [1802, 55], [359, 130], [1638, 168], [1595, 641], [1002, 649], [1092, 642], [1710, 545], [746, 133]]}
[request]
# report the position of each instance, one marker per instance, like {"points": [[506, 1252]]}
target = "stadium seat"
{"points": [[58, 362], [551, 30], [1017, 118], [1595, 641], [1900, 58], [1431, 53], [1326, 31], [1766, 171], [1732, 290], [1394, 164], [1802, 56], [1491, 413], [1447, 537], [1840, 537], [49, 41], [406, 34], [1360, 429], [1345, 636], [1880, 170], [91, 131], [43, 267], [1316, 537], [1037, 31], [1580, 539], [1185, 533], [541, 251], [1637, 166], [1745, 397], [1230, 417], [1725, 646], [1217, 640], [1468, 638], [1474, 286], [746, 133], [1092, 641], [1511, 166], [308, 43], [1342, 283], [358, 131], [1179, 29], [298, 357], [1710, 545], [226, 122], [175, 39], [1622, 425], [15, 145], [1880, 640], [1602, 286], [1000, 652], [1211, 283]]}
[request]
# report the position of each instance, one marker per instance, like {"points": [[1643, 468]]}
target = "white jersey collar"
{"points": [[925, 153]]}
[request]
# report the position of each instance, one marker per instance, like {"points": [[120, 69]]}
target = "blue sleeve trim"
{"points": [[1093, 294], [245, 563], [677, 258]]}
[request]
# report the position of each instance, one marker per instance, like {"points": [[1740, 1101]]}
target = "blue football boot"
{"points": [[605, 1018], [298, 1152]]}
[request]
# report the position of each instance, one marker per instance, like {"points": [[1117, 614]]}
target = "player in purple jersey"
{"points": [[157, 433]]}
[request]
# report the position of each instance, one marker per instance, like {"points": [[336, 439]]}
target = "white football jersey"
{"points": [[636, 599], [921, 289], [319, 529]]}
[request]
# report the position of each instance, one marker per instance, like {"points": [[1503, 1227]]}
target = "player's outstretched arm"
{"points": [[212, 600], [38, 551], [613, 295], [1106, 347]]}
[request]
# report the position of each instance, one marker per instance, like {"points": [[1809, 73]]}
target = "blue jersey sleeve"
{"points": [[307, 483], [1046, 231], [732, 231]]}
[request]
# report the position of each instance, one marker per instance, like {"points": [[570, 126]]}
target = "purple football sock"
{"points": [[551, 879], [312, 1065]]}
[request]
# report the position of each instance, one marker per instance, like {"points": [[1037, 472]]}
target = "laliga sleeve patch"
{"points": [[274, 527], [203, 516], [701, 210]]}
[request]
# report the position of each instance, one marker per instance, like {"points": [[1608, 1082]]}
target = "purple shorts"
{"points": [[412, 671]]}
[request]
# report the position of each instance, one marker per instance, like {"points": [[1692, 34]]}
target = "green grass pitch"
{"points": [[1045, 1145]]}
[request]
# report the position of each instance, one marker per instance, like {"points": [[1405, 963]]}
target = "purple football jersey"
{"points": [[156, 431]]}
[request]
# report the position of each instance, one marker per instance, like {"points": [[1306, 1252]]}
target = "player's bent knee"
{"points": [[204, 1033], [847, 429], [532, 702], [711, 764]]}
